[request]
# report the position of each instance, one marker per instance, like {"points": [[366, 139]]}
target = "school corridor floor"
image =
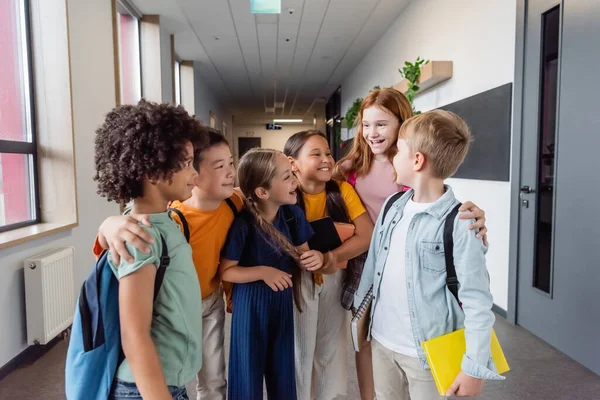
{"points": [[538, 372]]}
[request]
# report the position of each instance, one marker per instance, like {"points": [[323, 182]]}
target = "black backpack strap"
{"points": [[184, 224], [289, 218], [451, 279], [390, 203], [231, 205], [162, 268]]}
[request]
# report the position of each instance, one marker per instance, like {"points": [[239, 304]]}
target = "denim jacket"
{"points": [[433, 309]]}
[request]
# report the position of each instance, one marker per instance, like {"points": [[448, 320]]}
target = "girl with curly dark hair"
{"points": [[145, 153]]}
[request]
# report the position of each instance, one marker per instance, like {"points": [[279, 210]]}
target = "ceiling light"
{"points": [[265, 6], [279, 121]]}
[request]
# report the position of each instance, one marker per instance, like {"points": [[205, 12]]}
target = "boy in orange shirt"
{"points": [[207, 216]]}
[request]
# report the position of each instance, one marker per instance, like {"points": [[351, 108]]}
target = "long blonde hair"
{"points": [[256, 169], [360, 154]]}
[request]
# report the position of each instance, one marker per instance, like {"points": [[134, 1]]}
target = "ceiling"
{"points": [[291, 62]]}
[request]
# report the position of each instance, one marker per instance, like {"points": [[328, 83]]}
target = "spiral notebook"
{"points": [[360, 321]]}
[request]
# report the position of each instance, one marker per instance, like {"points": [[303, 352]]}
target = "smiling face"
{"points": [[180, 186], [314, 161], [283, 186], [216, 174], [380, 130]]}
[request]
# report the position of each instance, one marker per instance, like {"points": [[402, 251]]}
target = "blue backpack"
{"points": [[95, 350]]}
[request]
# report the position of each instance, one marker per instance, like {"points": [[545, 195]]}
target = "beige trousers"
{"points": [[321, 339], [212, 383], [400, 377]]}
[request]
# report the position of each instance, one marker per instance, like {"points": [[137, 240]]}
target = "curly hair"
{"points": [[143, 141]]}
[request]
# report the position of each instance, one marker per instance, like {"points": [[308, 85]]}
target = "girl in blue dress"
{"points": [[265, 249]]}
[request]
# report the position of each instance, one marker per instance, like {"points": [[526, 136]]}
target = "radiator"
{"points": [[49, 294]]}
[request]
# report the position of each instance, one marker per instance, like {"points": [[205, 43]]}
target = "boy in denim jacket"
{"points": [[407, 269]]}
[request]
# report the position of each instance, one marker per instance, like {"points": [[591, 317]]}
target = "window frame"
{"points": [[177, 80], [124, 7], [24, 147]]}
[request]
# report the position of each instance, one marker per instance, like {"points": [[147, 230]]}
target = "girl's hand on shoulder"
{"points": [[116, 230], [276, 279], [478, 214], [312, 260]]}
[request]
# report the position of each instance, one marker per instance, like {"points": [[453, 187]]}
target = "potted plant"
{"points": [[411, 72]]}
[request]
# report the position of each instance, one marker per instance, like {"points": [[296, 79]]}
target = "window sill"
{"points": [[32, 232]]}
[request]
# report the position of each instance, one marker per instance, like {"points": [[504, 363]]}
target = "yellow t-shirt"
{"points": [[315, 204], [208, 232]]}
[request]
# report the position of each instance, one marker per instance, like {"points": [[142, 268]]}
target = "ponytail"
{"points": [[334, 203]]}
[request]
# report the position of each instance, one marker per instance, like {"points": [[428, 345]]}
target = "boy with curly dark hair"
{"points": [[145, 153], [208, 214]]}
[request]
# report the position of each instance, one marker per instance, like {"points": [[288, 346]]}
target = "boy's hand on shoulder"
{"points": [[476, 213], [116, 230], [276, 279], [465, 386], [312, 260]]}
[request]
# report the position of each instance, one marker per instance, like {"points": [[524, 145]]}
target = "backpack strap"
{"points": [[231, 205], [184, 224], [451, 279], [390, 203], [289, 218], [165, 260]]}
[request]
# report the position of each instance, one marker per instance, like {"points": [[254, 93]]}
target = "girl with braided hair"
{"points": [[262, 257]]}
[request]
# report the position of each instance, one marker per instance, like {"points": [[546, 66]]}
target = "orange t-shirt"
{"points": [[208, 232]]}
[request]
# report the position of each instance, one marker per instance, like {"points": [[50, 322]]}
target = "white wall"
{"points": [[479, 37], [269, 139], [93, 86], [205, 102]]}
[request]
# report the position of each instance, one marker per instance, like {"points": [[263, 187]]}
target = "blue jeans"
{"points": [[122, 390]]}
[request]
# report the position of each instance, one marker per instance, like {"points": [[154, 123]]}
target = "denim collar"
{"points": [[439, 209]]}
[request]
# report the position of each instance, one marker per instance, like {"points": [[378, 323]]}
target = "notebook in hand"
{"points": [[330, 235], [445, 353], [360, 321]]}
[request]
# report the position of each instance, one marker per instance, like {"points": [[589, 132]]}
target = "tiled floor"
{"points": [[538, 372]]}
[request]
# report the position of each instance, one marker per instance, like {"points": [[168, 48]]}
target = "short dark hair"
{"points": [[215, 137], [143, 141]]}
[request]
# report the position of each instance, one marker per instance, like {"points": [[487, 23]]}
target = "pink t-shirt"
{"points": [[376, 186]]}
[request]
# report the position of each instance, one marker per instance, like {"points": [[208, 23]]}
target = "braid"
{"points": [[278, 241]]}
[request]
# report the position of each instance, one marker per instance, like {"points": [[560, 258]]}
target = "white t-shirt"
{"points": [[391, 321]]}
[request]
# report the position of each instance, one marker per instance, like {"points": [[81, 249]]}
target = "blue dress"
{"points": [[262, 325]]}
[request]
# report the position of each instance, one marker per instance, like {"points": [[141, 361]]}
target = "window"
{"points": [[212, 120], [177, 80], [19, 202], [130, 77]]}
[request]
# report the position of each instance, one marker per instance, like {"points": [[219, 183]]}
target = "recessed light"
{"points": [[286, 120], [216, 37]]}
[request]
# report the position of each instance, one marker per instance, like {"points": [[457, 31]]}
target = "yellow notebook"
{"points": [[445, 354]]}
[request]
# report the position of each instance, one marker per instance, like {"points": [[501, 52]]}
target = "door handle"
{"points": [[527, 189]]}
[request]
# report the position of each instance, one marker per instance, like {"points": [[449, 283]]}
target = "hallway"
{"points": [[538, 372]]}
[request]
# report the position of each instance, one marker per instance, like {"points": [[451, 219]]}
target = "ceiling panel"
{"points": [[247, 61], [379, 22]]}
